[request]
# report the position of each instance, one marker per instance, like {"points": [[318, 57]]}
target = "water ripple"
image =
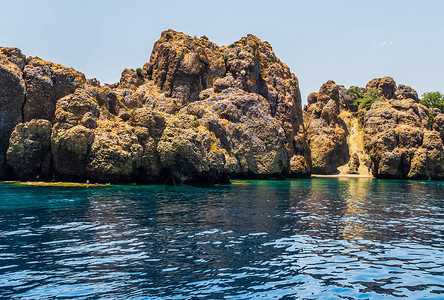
{"points": [[311, 239]]}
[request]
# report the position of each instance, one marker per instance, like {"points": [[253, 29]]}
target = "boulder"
{"points": [[394, 131], [148, 127], [242, 129], [115, 154], [385, 86], [70, 148], [130, 79], [29, 152]]}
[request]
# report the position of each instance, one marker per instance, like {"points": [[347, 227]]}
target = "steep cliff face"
{"points": [[196, 112], [385, 128], [29, 89], [12, 97]]}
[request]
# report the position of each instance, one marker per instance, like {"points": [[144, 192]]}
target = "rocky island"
{"points": [[200, 113]]}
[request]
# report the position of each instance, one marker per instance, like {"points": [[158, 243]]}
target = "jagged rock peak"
{"points": [[188, 69]]}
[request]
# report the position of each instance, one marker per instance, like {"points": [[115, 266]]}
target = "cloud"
{"points": [[382, 44]]}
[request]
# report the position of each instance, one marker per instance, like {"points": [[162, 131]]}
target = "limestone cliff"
{"points": [[381, 128], [196, 112]]}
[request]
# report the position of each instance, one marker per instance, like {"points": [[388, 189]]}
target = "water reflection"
{"points": [[297, 238], [354, 225]]}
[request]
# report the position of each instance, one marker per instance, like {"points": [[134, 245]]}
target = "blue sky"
{"points": [[349, 42]]}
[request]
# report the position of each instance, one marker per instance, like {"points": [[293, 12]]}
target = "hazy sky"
{"points": [[350, 42]]}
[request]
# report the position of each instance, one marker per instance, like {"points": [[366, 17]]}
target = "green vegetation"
{"points": [[355, 91], [433, 99], [139, 71], [367, 102], [364, 102], [225, 59], [431, 118]]}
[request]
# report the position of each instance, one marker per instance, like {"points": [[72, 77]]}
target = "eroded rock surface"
{"points": [[12, 97], [29, 89], [46, 83], [196, 112], [29, 152], [401, 142], [391, 135], [326, 131]]}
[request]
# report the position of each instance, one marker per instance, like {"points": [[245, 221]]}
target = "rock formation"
{"points": [[29, 151], [12, 97], [196, 112], [385, 127], [200, 113], [326, 131], [29, 89]]}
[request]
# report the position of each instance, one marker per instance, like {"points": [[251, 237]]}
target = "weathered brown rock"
{"points": [[115, 153], [256, 69], [386, 86], [398, 135], [406, 92], [182, 66], [393, 137], [76, 107], [428, 160], [197, 112], [29, 89], [70, 147], [326, 131], [438, 124], [12, 97], [29, 152], [46, 83], [185, 67], [244, 137], [130, 79], [72, 136]]}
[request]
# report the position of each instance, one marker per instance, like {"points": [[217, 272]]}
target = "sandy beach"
{"points": [[342, 176]]}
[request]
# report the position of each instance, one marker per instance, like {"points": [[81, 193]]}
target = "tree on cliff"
{"points": [[433, 99]]}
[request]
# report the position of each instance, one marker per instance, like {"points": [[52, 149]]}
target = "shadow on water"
{"points": [[307, 238]]}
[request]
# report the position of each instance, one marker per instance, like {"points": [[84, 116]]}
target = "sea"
{"points": [[319, 238]]}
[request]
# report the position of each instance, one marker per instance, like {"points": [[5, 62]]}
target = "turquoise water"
{"points": [[318, 238]]}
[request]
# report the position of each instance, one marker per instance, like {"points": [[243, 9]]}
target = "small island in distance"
{"points": [[197, 113]]}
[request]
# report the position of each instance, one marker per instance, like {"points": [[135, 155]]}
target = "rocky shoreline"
{"points": [[381, 129], [200, 113]]}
